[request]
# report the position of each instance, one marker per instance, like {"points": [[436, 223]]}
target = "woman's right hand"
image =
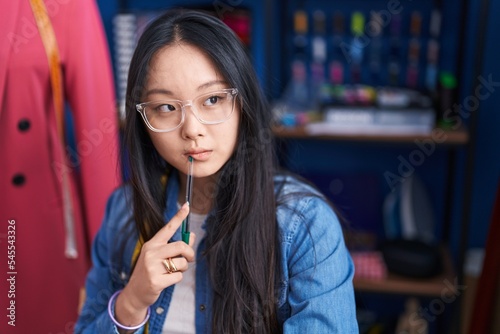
{"points": [[150, 277]]}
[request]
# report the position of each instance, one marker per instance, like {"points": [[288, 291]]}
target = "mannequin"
{"points": [[47, 278]]}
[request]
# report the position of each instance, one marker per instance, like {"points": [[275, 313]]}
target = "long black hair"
{"points": [[242, 243]]}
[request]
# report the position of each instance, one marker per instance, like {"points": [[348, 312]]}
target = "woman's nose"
{"points": [[192, 128]]}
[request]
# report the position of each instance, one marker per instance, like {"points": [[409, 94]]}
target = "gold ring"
{"points": [[172, 265], [167, 267]]}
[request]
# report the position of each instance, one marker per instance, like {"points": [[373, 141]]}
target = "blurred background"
{"points": [[391, 107]]}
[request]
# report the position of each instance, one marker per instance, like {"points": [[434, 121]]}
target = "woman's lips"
{"points": [[200, 155]]}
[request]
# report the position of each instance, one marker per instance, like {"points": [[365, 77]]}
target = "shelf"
{"points": [[443, 137], [442, 286]]}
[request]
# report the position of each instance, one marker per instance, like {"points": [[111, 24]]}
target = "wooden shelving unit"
{"points": [[443, 284], [451, 137]]}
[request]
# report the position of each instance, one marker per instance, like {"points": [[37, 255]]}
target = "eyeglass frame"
{"points": [[140, 107]]}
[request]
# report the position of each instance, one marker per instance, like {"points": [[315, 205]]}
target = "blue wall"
{"points": [[487, 149]]}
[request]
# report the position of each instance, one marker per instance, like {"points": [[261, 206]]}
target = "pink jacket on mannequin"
{"points": [[39, 283]]}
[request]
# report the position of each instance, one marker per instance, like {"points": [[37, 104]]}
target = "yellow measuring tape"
{"points": [[50, 44], [49, 41]]}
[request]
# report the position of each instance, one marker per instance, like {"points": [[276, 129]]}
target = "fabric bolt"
{"points": [[369, 264], [48, 283], [315, 293]]}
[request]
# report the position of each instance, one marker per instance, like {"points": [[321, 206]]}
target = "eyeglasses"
{"points": [[168, 115]]}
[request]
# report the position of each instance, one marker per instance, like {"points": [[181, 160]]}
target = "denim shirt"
{"points": [[315, 293]]}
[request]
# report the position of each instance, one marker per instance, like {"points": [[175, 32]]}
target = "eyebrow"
{"points": [[168, 92]]}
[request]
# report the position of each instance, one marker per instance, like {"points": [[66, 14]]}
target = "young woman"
{"points": [[266, 253]]}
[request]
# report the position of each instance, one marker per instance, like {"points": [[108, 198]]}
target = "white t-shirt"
{"points": [[181, 312]]}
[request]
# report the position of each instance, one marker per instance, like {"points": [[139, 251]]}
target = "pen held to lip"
{"points": [[189, 189]]}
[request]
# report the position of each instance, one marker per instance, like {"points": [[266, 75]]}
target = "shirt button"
{"points": [[24, 125], [160, 310], [18, 180], [123, 276], [202, 307]]}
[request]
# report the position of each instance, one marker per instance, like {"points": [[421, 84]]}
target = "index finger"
{"points": [[167, 231]]}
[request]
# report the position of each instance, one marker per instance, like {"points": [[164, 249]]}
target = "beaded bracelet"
{"points": [[111, 315]]}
